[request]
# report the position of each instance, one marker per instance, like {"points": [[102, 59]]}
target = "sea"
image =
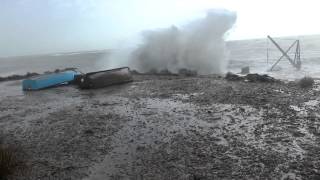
{"points": [[258, 54]]}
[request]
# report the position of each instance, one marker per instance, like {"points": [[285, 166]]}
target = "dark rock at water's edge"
{"points": [[166, 72], [152, 72], [62, 70], [32, 74], [260, 78], [187, 72], [250, 78], [233, 77], [18, 77]]}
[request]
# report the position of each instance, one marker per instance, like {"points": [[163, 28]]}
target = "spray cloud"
{"points": [[198, 46]]}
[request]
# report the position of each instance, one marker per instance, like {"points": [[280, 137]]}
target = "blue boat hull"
{"points": [[50, 80]]}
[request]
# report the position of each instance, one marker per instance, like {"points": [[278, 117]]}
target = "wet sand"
{"points": [[165, 127]]}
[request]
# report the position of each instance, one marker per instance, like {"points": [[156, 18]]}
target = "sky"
{"points": [[47, 26]]}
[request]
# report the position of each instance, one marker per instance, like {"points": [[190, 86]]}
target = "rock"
{"points": [[250, 78], [233, 77], [187, 72], [259, 78], [32, 74]]}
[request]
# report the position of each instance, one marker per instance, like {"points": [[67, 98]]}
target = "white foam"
{"points": [[197, 46]]}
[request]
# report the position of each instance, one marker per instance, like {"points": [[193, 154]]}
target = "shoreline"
{"points": [[161, 127]]}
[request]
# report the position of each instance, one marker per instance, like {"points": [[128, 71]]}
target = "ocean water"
{"points": [[261, 54], [84, 61], [252, 53]]}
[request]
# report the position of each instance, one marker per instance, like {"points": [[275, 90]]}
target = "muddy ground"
{"points": [[165, 127]]}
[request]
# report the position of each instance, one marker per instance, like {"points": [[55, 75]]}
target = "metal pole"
{"points": [[267, 51], [298, 55], [282, 56], [283, 52]]}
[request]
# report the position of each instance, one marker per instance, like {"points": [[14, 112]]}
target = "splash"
{"points": [[198, 46]]}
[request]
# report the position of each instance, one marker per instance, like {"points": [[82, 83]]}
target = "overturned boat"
{"points": [[48, 80], [105, 78]]}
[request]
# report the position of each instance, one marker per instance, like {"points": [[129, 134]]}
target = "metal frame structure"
{"points": [[296, 62]]}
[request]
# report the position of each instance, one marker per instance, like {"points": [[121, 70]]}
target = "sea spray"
{"points": [[198, 46]]}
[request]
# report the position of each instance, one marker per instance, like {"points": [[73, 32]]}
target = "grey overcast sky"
{"points": [[45, 26]]}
